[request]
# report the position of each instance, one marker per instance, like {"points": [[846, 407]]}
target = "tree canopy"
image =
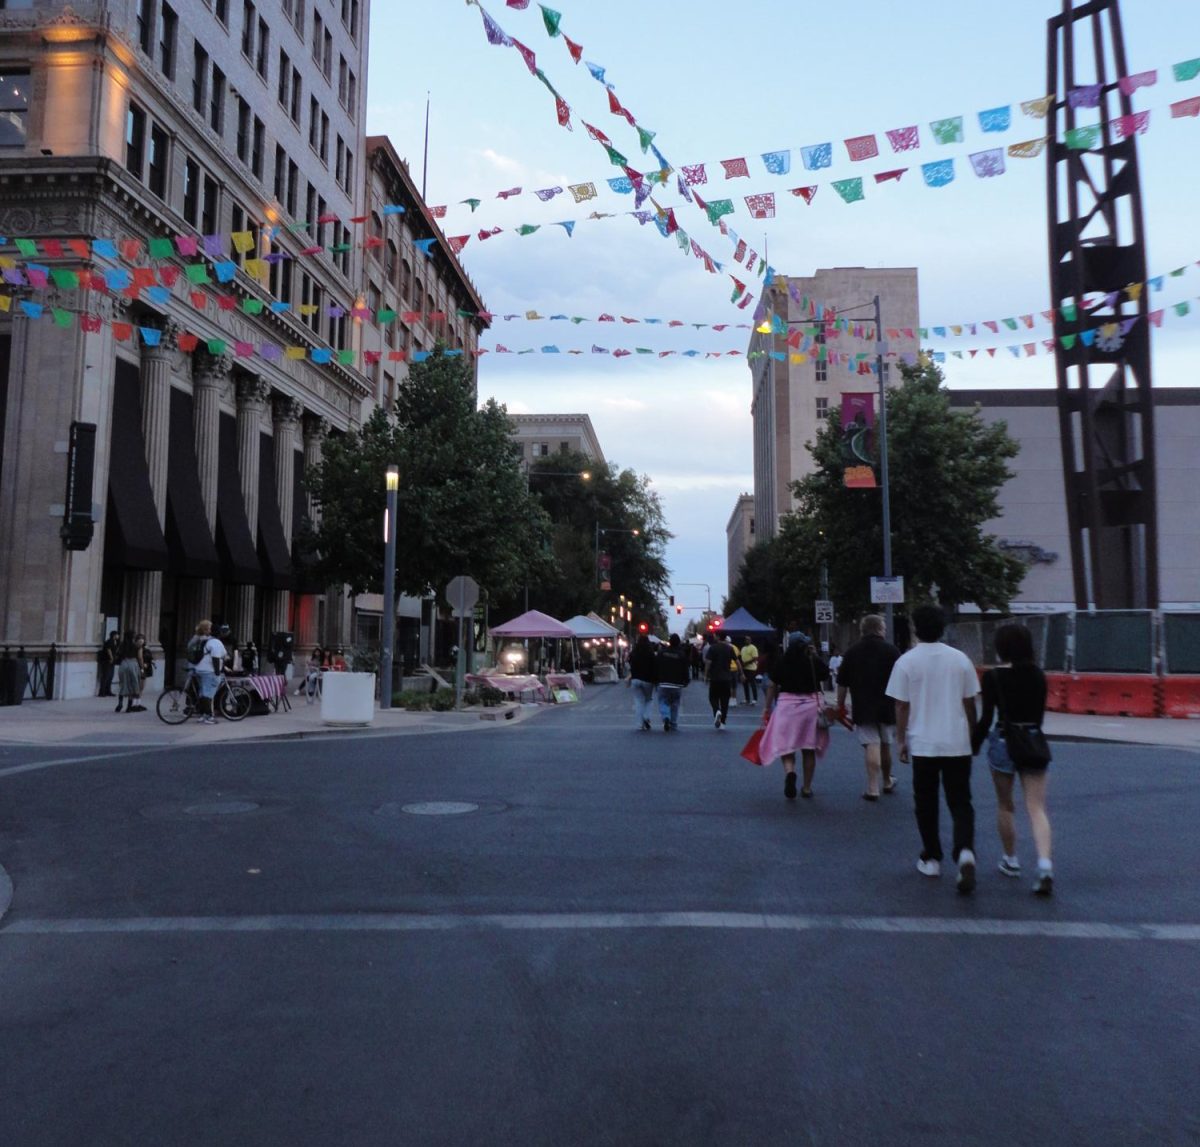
{"points": [[946, 468], [463, 506]]}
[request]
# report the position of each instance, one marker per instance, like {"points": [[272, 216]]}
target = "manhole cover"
{"points": [[219, 808], [440, 808]]}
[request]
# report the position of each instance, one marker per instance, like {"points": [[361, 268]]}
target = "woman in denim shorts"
{"points": [[1016, 689]]}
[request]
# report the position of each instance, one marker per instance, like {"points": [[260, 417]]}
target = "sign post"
{"points": [[462, 593], [887, 590]]}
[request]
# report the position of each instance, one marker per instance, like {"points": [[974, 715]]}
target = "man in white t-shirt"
{"points": [[934, 687], [211, 657]]}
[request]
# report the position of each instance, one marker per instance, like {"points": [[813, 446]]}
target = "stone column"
{"points": [[285, 414], [210, 383], [143, 588], [307, 635], [252, 395]]}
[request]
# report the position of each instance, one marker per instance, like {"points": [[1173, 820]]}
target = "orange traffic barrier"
{"points": [[1056, 692], [1180, 696], [1113, 694]]}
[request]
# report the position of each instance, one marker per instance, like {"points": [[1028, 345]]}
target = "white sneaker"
{"points": [[1010, 866], [929, 867], [716, 720], [966, 871]]}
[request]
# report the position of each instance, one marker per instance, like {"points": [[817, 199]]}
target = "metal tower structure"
{"points": [[1097, 250]]}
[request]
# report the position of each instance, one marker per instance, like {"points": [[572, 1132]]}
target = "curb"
{"points": [[6, 892]]}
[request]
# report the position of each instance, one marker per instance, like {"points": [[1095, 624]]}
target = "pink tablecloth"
{"points": [[268, 688], [513, 685], [564, 681]]}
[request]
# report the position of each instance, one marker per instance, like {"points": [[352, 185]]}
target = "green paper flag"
{"points": [[252, 306], [197, 273], [577, 319], [681, 237], [1181, 309], [528, 228], [27, 247], [643, 350], [161, 248], [340, 248], [1010, 323], [1177, 272], [65, 279], [851, 190], [645, 136], [923, 332], [718, 207], [1083, 138], [1069, 341], [948, 130], [345, 357], [1069, 312], [63, 318], [1187, 70], [217, 346], [615, 157], [551, 19], [472, 203], [387, 315]]}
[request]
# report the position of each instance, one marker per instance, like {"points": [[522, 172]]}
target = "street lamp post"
{"points": [[388, 636], [700, 584]]}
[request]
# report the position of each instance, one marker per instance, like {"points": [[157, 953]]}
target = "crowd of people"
{"points": [[918, 708]]}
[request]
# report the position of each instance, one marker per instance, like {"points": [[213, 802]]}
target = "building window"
{"points": [[320, 242], [405, 280], [199, 77], [564, 448], [243, 129], [324, 149], [221, 8], [264, 48], [310, 212], [135, 140], [285, 78], [349, 171], [327, 54], [14, 108], [293, 188], [256, 151], [314, 122], [318, 31], [280, 174], [298, 19], [191, 192], [296, 96], [886, 373], [209, 206], [822, 407], [248, 18], [159, 150], [145, 26], [340, 164], [390, 264], [343, 79], [352, 95], [337, 327], [821, 366], [216, 105], [168, 26]]}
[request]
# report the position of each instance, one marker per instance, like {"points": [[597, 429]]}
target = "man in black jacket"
{"points": [[864, 672], [671, 670]]}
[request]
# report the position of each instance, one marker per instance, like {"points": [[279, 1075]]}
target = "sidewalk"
{"points": [[91, 722]]}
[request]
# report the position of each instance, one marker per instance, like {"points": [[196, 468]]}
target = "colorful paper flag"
{"points": [[851, 190], [862, 147]]}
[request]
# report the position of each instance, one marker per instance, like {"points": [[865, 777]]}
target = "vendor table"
{"points": [[514, 685], [565, 681], [272, 689]]}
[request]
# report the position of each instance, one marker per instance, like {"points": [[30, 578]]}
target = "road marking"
{"points": [[30, 768], [608, 921]]}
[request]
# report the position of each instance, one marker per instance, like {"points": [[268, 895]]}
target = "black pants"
{"points": [[107, 670], [750, 687], [718, 697], [955, 773]]}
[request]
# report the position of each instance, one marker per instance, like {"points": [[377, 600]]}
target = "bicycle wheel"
{"points": [[174, 706], [234, 702]]}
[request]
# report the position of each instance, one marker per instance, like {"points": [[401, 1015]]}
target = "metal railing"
{"points": [[27, 678]]}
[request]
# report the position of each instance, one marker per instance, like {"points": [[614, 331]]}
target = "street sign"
{"points": [[462, 593], [824, 612], [885, 590]]}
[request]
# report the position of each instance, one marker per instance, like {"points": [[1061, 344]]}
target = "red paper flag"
{"points": [[130, 249], [395, 356], [527, 55], [597, 134], [458, 242], [509, 193], [53, 248], [80, 247], [883, 176], [143, 277], [805, 193], [563, 109], [187, 343], [575, 49], [199, 299], [735, 168], [862, 147], [226, 302], [371, 357], [522, 4], [90, 323], [168, 273], [122, 331]]}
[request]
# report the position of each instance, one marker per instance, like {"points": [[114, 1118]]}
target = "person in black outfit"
{"points": [[671, 671], [794, 704], [641, 680], [864, 672], [1016, 692], [107, 661]]}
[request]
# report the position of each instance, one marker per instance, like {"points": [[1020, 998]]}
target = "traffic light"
{"points": [[671, 599], [679, 609], [643, 627]]}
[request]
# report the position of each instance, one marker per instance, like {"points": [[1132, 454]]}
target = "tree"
{"points": [[620, 502], [463, 504], [946, 467]]}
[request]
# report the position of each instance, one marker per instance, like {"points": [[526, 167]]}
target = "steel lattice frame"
{"points": [[1097, 247]]}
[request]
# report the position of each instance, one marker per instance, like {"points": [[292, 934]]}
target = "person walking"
{"points": [[106, 659], [934, 687], [720, 674], [864, 674], [672, 670], [749, 658], [641, 680], [794, 713], [1015, 693], [129, 673], [207, 655]]}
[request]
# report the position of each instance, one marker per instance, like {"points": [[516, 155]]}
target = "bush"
{"points": [[442, 701], [413, 702], [490, 696]]}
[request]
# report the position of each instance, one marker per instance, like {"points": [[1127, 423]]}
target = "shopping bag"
{"points": [[750, 748]]}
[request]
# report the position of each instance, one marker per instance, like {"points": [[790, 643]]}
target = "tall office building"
{"points": [[796, 385], [147, 479]]}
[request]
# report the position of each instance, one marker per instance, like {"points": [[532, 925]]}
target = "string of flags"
{"points": [[901, 141]]}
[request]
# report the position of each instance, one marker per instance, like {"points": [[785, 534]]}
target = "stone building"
{"points": [[794, 389], [739, 536], [153, 443], [543, 435]]}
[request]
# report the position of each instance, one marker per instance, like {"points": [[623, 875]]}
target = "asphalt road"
{"points": [[631, 939]]}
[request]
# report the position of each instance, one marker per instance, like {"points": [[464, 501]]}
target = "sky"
{"points": [[719, 81]]}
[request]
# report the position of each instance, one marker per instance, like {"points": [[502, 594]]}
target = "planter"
{"points": [[348, 698]]}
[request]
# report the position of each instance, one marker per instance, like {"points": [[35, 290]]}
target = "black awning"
{"points": [[133, 537], [189, 540], [272, 545], [235, 546]]}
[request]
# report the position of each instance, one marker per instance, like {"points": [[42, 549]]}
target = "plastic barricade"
{"points": [[1180, 696], [1056, 692], [1113, 694]]}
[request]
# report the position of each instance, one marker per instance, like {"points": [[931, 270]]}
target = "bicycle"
{"points": [[175, 706]]}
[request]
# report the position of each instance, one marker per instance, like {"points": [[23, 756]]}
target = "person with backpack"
{"points": [[672, 665], [206, 656]]}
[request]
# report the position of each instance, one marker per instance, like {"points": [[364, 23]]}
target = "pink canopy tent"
{"points": [[532, 624]]}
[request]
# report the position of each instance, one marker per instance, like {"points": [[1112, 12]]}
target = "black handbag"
{"points": [[1026, 743]]}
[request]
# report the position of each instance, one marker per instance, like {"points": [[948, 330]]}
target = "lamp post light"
{"points": [[607, 530], [388, 636]]}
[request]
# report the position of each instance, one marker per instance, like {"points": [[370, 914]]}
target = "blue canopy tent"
{"points": [[743, 621]]}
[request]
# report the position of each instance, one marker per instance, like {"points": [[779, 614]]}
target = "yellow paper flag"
{"points": [[294, 352], [243, 242], [5, 302], [1134, 291], [1028, 149], [1039, 109]]}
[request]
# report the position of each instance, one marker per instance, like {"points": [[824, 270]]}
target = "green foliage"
{"points": [[442, 701], [462, 507], [946, 467], [486, 696]]}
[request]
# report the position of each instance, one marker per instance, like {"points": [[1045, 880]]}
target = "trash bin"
{"points": [[348, 698]]}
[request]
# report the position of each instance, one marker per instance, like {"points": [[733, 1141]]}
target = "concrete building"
{"points": [[1033, 522], [804, 378], [542, 435], [153, 443], [739, 535]]}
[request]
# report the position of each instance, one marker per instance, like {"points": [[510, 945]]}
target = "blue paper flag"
{"points": [[426, 247], [322, 355], [105, 248], [777, 162], [226, 271], [117, 278], [420, 355], [817, 156], [550, 350], [32, 310], [622, 185], [938, 173], [159, 296], [393, 209], [996, 119], [151, 336], [568, 225]]}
